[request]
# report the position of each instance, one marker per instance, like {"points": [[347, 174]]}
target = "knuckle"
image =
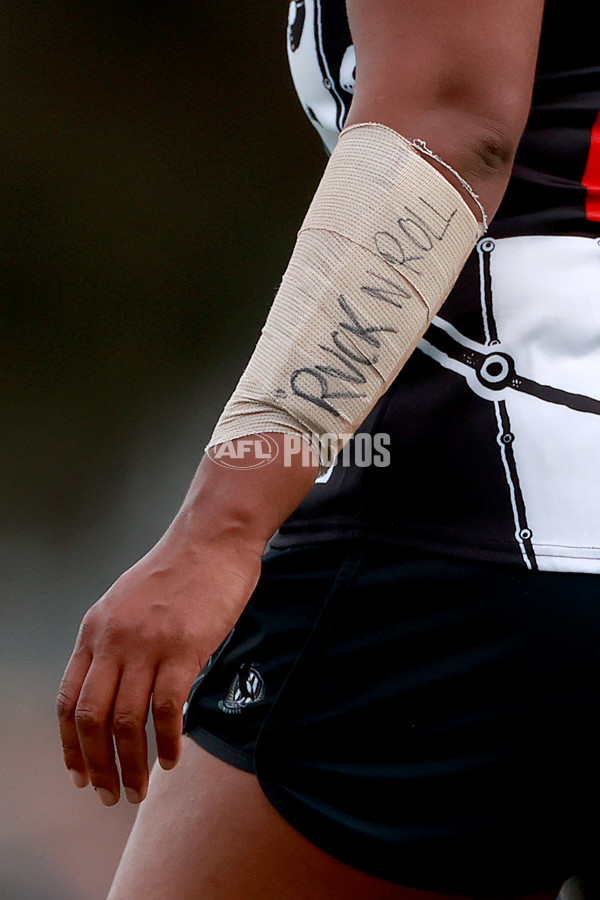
{"points": [[158, 634], [127, 724], [88, 721], [167, 631], [115, 630], [99, 631], [87, 634], [145, 640], [65, 704], [87, 627], [178, 642], [114, 636], [166, 708]]}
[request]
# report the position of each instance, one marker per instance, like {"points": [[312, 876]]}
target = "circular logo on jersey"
{"points": [[247, 689], [496, 370], [252, 452]]}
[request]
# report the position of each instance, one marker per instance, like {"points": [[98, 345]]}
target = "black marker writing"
{"points": [[416, 232], [365, 332], [388, 294], [321, 399], [350, 359]]}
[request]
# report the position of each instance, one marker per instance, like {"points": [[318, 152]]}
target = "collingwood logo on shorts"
{"points": [[247, 688]]}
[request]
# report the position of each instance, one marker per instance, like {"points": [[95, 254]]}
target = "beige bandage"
{"points": [[378, 252]]}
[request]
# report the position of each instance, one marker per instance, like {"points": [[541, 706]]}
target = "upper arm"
{"points": [[456, 73]]}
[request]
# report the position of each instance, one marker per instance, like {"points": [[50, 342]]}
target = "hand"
{"points": [[152, 632], [148, 637]]}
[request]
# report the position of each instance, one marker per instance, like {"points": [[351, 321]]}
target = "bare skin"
{"points": [[146, 639], [457, 75], [431, 70], [208, 828]]}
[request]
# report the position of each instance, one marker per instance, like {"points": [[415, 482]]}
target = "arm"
{"points": [[146, 639], [457, 76]]}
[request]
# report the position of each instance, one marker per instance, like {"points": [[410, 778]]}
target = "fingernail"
{"points": [[107, 797], [133, 796], [78, 778], [168, 763]]}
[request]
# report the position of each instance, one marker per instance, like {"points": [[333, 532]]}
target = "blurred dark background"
{"points": [[155, 167]]}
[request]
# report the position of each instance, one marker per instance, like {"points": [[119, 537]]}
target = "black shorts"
{"points": [[428, 721]]}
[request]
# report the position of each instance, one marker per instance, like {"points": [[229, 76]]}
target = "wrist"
{"points": [[243, 507], [208, 518]]}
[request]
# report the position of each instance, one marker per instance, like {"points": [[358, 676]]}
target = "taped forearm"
{"points": [[378, 252]]}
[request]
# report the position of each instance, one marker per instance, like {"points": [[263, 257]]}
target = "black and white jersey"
{"points": [[496, 416]]}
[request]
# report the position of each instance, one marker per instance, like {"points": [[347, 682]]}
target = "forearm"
{"points": [[247, 504], [338, 333], [243, 505]]}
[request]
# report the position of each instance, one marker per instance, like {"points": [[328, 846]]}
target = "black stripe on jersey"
{"points": [[578, 402], [484, 249], [297, 26], [323, 54], [483, 364], [524, 532]]}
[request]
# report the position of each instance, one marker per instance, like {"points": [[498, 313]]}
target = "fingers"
{"points": [[94, 729], [171, 689], [98, 699], [129, 728], [66, 704]]}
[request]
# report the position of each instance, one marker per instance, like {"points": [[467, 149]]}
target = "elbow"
{"points": [[478, 143], [488, 149], [482, 150]]}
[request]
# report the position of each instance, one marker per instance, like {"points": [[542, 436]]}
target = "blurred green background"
{"points": [[155, 168]]}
